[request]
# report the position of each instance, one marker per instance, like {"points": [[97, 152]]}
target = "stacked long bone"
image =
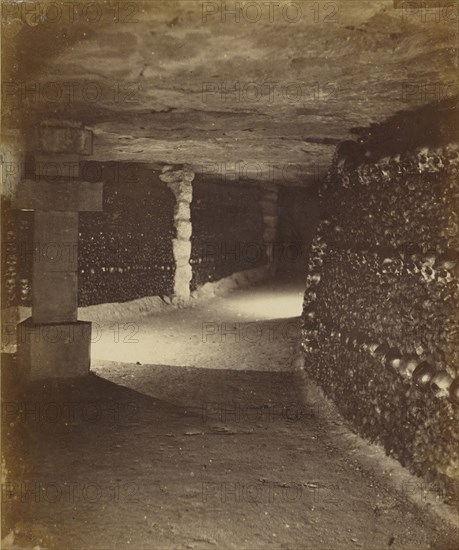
{"points": [[380, 319]]}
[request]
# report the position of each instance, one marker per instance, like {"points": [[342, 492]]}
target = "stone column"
{"points": [[12, 155], [179, 182], [268, 203], [53, 343]]}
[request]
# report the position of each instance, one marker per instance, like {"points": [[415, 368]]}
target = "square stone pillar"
{"points": [[179, 182], [52, 343]]}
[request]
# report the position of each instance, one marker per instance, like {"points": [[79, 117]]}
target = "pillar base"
{"points": [[58, 350]]}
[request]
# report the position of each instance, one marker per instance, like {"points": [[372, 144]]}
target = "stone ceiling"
{"points": [[152, 83]]}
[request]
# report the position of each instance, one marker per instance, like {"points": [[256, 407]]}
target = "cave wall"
{"points": [[380, 325]]}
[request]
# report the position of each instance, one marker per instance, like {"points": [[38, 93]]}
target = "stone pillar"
{"points": [[179, 182], [11, 161], [268, 203], [53, 343], [12, 155]]}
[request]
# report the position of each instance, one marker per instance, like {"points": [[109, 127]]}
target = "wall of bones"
{"points": [[380, 318], [161, 233], [227, 234]]}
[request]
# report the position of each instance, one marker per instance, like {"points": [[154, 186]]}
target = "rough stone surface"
{"points": [[183, 274], [62, 137], [182, 251], [182, 210], [13, 156], [58, 350], [54, 167], [63, 195], [177, 179], [184, 230], [168, 83]]}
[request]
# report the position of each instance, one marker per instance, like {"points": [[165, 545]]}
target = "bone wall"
{"points": [[380, 330]]}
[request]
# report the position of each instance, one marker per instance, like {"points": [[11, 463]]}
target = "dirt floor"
{"points": [[183, 440]]}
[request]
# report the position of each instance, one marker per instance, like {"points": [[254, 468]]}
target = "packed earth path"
{"points": [[196, 430]]}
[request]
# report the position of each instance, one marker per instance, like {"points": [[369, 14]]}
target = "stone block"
{"points": [[182, 211], [63, 195], [186, 194], [183, 275], [54, 296], [171, 176], [183, 191], [55, 167], [183, 230], [182, 251], [59, 350], [55, 241], [63, 137], [12, 167]]}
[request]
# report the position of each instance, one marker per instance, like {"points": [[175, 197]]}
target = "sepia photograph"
{"points": [[229, 274]]}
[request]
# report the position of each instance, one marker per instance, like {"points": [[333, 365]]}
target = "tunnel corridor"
{"points": [[230, 274], [210, 443]]}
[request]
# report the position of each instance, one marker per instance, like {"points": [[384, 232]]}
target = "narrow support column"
{"points": [[11, 169], [268, 203], [53, 343], [180, 183]]}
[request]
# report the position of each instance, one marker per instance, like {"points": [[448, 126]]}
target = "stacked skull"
{"points": [[380, 309]]}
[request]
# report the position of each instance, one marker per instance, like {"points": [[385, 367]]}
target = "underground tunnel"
{"points": [[230, 278]]}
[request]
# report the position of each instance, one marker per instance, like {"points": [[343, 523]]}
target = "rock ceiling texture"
{"points": [[165, 82]]}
